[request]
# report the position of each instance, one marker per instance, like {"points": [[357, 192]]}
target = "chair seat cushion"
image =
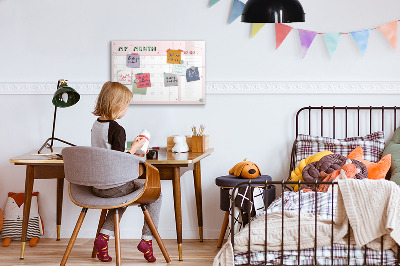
{"points": [[83, 195]]}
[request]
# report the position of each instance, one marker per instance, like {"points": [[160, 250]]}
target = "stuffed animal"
{"points": [[13, 215], [245, 169], [375, 170], [296, 174], [348, 170], [180, 144]]}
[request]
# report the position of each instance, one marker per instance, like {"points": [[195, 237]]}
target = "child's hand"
{"points": [[143, 155], [137, 144]]}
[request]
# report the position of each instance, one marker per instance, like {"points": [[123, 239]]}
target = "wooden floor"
{"points": [[50, 252]]}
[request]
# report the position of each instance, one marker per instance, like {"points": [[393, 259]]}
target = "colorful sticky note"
{"points": [[133, 60], [170, 80], [192, 74], [144, 80], [174, 56], [125, 77], [179, 69], [139, 91]]}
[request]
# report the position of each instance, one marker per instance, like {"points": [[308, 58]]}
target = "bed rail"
{"points": [[265, 185]]}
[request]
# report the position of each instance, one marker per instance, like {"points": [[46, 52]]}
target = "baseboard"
{"points": [[231, 87]]}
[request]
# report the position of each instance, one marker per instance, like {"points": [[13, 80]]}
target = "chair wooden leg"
{"points": [[154, 230], [117, 239], [223, 229], [73, 237], [101, 222]]}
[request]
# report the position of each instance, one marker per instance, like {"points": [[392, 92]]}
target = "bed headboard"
{"points": [[344, 121]]}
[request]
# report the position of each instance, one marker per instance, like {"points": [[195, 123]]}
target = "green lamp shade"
{"points": [[65, 96]]}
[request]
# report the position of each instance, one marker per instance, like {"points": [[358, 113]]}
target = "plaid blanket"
{"points": [[323, 205]]}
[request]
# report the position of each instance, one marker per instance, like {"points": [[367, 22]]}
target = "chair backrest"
{"points": [[92, 166]]}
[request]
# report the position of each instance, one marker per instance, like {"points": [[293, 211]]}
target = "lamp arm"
{"points": [[54, 126]]}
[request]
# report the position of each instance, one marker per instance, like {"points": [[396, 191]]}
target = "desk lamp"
{"points": [[272, 11], [64, 96]]}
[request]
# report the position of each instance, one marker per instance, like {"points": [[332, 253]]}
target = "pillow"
{"points": [[393, 148], [372, 144], [375, 170]]}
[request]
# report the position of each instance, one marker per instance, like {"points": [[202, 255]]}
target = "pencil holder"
{"points": [[200, 143]]}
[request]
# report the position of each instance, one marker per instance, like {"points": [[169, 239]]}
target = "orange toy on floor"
{"points": [[13, 215]]}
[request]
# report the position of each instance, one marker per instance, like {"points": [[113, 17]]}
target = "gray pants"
{"points": [[154, 208]]}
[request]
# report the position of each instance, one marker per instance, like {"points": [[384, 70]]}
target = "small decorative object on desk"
{"points": [[152, 154], [199, 140], [180, 144]]}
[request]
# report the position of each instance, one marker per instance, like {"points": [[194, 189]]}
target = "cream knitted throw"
{"points": [[373, 208]]}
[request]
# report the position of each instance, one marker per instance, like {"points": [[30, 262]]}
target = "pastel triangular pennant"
{"points": [[237, 9], [332, 41], [361, 37], [389, 30], [256, 28], [281, 31], [306, 39], [213, 2]]}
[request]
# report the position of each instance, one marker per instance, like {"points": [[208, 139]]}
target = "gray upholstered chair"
{"points": [[85, 167]]}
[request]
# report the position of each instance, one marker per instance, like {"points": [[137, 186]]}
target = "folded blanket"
{"points": [[373, 209]]}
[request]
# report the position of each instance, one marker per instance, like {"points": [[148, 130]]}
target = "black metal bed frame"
{"points": [[283, 184]]}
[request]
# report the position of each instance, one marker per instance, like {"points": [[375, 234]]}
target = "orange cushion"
{"points": [[375, 170]]}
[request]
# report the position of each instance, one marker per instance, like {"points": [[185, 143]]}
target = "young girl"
{"points": [[112, 104]]}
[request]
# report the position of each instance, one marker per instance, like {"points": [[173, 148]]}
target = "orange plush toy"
{"points": [[245, 169], [375, 170], [347, 170], [13, 214]]}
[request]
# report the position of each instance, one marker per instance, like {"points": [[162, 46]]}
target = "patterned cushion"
{"points": [[372, 144]]}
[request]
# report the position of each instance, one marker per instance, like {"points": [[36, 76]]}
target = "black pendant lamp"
{"points": [[273, 11]]}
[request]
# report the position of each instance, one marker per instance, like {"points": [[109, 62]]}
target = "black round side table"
{"points": [[228, 182]]}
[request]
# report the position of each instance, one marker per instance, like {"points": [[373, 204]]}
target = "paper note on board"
{"points": [[179, 69], [133, 60], [192, 74], [174, 56], [170, 80], [144, 80], [125, 77]]}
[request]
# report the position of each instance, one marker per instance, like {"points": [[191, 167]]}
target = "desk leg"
{"points": [[60, 190], [176, 182], [27, 206], [197, 189]]}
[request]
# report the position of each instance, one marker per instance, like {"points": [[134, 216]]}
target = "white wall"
{"points": [[42, 41]]}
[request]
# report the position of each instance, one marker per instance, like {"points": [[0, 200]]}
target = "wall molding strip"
{"points": [[231, 87]]}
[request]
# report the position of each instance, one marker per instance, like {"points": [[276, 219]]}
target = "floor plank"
{"points": [[49, 252]]}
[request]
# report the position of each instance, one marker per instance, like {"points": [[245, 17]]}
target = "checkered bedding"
{"points": [[323, 207]]}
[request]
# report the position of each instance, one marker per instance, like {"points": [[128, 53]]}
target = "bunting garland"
{"points": [[389, 30], [361, 37], [281, 31], [306, 39], [256, 27], [237, 9], [332, 41]]}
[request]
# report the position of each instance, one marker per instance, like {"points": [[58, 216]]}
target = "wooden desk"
{"points": [[171, 167]]}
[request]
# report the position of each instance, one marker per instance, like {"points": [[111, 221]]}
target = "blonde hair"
{"points": [[112, 99]]}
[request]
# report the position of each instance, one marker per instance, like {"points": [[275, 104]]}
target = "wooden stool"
{"points": [[226, 183]]}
